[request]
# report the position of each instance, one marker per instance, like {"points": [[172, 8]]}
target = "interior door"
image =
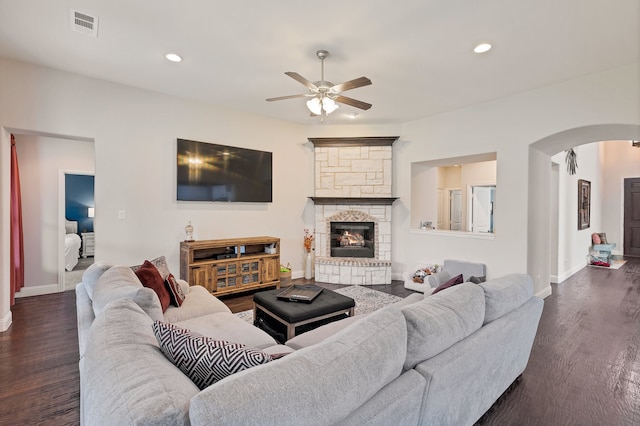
{"points": [[442, 222], [455, 209], [481, 209], [632, 217]]}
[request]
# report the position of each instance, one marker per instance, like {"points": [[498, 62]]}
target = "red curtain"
{"points": [[17, 248]]}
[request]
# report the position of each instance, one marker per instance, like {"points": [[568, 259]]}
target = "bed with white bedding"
{"points": [[72, 244]]}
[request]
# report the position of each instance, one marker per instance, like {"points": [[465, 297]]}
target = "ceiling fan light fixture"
{"points": [[329, 105], [323, 96], [314, 106]]}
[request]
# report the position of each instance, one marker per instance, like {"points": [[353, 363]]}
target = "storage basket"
{"points": [[285, 276]]}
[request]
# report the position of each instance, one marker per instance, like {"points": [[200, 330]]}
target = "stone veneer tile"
{"points": [[364, 171]]}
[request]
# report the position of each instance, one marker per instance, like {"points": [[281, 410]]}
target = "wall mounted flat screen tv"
{"points": [[211, 172]]}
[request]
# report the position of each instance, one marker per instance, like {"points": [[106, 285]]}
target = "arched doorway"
{"points": [[540, 179]]}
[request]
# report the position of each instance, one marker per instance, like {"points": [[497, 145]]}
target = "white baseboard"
{"points": [[397, 276], [38, 290], [556, 279], [6, 321], [545, 292]]}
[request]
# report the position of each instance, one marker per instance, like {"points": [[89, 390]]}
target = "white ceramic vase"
{"points": [[307, 266]]}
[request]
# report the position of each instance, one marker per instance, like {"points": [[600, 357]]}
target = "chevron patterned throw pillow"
{"points": [[203, 359]]}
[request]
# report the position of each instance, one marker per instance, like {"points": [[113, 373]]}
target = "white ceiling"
{"points": [[418, 53]]}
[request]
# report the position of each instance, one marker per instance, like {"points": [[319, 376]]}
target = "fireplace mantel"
{"points": [[354, 141], [380, 201]]}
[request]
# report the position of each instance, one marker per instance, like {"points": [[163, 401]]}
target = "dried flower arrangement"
{"points": [[308, 240]]}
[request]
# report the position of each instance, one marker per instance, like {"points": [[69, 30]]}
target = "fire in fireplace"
{"points": [[352, 239]]}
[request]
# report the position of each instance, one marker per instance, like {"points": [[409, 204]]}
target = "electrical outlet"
{"points": [[121, 214]]}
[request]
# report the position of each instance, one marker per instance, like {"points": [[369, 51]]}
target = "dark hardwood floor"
{"points": [[584, 367], [39, 377]]}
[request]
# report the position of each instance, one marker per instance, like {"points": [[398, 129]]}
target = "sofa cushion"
{"points": [[197, 303], [504, 294], [319, 334], [119, 282], [410, 299], [229, 327], [125, 377], [441, 320], [203, 359], [453, 281], [160, 263], [325, 382], [92, 274], [175, 290]]}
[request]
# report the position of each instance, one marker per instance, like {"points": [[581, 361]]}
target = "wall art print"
{"points": [[584, 204]]}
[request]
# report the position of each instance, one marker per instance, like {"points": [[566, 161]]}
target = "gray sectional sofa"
{"points": [[442, 359]]}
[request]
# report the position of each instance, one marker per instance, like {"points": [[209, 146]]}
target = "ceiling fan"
{"points": [[324, 94]]}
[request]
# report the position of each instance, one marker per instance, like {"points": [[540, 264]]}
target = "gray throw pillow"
{"points": [[160, 263], [439, 278], [477, 280]]}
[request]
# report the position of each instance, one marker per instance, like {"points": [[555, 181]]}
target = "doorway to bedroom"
{"points": [[79, 213]]}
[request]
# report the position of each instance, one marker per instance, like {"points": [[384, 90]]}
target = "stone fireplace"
{"points": [[353, 210]]}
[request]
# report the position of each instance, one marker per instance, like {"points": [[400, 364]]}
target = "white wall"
{"points": [[573, 244], [424, 203], [508, 127], [135, 135], [40, 161]]}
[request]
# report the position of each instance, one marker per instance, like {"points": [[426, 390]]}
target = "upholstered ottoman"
{"points": [[327, 306]]}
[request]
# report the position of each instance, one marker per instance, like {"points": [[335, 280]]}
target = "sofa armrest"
{"points": [[85, 316]]}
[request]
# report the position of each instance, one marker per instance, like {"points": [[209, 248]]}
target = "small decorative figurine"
{"points": [[189, 231]]}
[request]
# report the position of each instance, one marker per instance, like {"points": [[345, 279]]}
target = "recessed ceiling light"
{"points": [[352, 115], [482, 48], [173, 57]]}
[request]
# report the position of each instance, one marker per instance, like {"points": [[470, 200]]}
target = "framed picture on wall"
{"points": [[584, 204]]}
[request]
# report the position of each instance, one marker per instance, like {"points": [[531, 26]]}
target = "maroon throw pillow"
{"points": [[453, 281], [175, 291], [151, 278]]}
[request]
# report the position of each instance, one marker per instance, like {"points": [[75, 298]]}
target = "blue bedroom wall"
{"points": [[78, 198]]}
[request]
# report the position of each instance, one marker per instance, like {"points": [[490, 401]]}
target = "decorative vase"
{"points": [[307, 266]]}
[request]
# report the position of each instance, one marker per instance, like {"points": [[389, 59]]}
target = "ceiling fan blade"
{"points": [[353, 102], [351, 84], [281, 98], [297, 77]]}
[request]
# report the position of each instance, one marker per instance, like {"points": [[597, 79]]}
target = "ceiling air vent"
{"points": [[83, 23]]}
